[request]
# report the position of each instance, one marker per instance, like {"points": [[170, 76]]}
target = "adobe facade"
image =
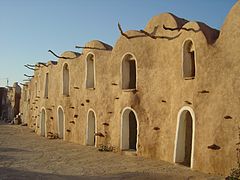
{"points": [[170, 92], [9, 101]]}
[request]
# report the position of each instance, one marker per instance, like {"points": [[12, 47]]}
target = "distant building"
{"points": [[9, 102], [3, 103], [170, 92]]}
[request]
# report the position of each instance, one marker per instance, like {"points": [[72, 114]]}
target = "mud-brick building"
{"points": [[3, 100], [169, 92], [9, 101]]}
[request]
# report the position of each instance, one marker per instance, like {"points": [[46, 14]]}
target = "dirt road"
{"points": [[25, 155]]}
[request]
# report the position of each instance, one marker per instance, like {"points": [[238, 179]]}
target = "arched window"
{"points": [[60, 123], [90, 72], [129, 72], [36, 89], [25, 94], [65, 80], [91, 127], [184, 142], [129, 130], [189, 60], [46, 86]]}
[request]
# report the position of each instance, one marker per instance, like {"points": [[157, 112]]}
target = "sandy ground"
{"points": [[25, 155]]}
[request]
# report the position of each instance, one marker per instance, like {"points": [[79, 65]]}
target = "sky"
{"points": [[29, 28]]}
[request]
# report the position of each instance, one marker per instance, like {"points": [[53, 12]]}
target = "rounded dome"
{"points": [[96, 45], [155, 25], [70, 54]]}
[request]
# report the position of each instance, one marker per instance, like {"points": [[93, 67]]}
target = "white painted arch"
{"points": [[125, 75], [175, 155], [124, 135], [61, 122], [90, 71], [43, 122], [91, 128]]}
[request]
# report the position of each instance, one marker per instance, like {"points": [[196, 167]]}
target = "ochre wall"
{"points": [[213, 95]]}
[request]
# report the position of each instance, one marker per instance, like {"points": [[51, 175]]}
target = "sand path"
{"points": [[25, 155]]}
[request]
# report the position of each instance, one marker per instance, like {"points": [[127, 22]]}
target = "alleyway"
{"points": [[25, 155]]}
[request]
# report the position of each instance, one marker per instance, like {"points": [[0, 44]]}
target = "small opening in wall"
{"points": [[46, 86], [90, 76], [189, 60], [25, 94], [66, 80], [36, 89], [129, 72]]}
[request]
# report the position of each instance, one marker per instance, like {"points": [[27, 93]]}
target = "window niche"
{"points": [[66, 80], [36, 89], [189, 60], [90, 72], [129, 72], [46, 86]]}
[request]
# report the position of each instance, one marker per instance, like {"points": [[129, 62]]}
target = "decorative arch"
{"points": [[43, 120], [66, 80], [91, 128], [90, 71], [129, 130], [60, 123], [188, 59], [129, 71], [185, 134]]}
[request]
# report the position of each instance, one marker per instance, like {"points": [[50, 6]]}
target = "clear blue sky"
{"points": [[28, 28]]}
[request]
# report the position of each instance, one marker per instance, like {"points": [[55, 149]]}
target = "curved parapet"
{"points": [[97, 45], [168, 26], [52, 63], [230, 29], [70, 55], [210, 34], [156, 25]]}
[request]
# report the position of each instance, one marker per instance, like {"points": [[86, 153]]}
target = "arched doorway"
{"points": [[129, 130], [60, 123], [184, 142], [91, 118], [43, 123]]}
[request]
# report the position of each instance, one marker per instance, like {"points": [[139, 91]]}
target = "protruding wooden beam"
{"points": [[28, 76]]}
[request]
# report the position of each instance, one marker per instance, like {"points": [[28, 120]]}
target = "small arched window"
{"points": [[25, 94], [129, 72], [90, 72], [36, 89], [65, 80], [46, 86], [189, 60]]}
